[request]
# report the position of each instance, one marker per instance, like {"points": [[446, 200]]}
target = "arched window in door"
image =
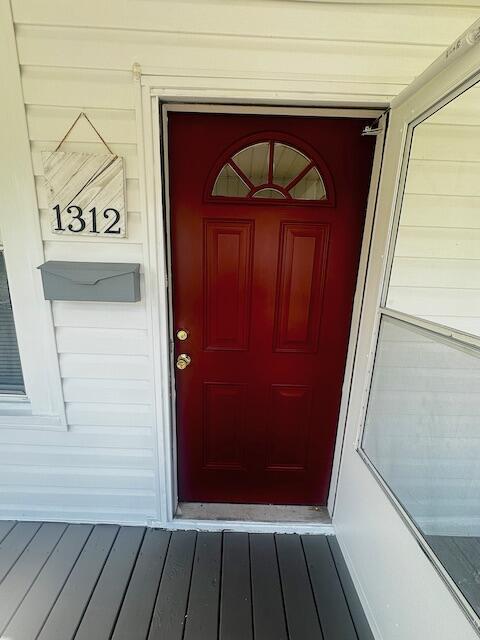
{"points": [[274, 170]]}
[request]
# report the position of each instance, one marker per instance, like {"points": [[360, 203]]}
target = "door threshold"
{"points": [[261, 513]]}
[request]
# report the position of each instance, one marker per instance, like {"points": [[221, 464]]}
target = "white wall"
{"points": [[78, 56]]}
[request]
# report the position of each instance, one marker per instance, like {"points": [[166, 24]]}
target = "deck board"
{"points": [[23, 574], [355, 607], [300, 609], [106, 582], [267, 596], [5, 527], [68, 610], [14, 544], [33, 611], [137, 609], [331, 603], [236, 597], [202, 612], [104, 605], [169, 614]]}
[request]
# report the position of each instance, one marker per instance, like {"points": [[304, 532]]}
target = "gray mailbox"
{"points": [[92, 281]]}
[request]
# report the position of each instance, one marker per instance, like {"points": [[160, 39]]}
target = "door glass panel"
{"points": [[253, 161], [269, 193], [436, 266], [271, 170], [287, 163], [11, 378], [310, 187], [229, 183], [422, 434]]}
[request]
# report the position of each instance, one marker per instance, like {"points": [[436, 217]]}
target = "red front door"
{"points": [[267, 216]]}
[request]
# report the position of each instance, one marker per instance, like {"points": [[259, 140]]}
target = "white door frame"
{"points": [[153, 102]]}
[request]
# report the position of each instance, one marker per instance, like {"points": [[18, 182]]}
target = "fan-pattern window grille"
{"points": [[11, 378], [270, 170]]}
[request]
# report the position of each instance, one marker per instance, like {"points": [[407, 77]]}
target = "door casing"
{"points": [[154, 180]]}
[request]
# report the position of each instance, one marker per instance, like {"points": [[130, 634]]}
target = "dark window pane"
{"points": [[11, 378]]}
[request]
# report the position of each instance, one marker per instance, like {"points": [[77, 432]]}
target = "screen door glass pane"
{"points": [[422, 434], [11, 379], [436, 265]]}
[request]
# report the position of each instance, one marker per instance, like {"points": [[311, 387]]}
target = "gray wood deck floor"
{"points": [[59, 582], [460, 555]]}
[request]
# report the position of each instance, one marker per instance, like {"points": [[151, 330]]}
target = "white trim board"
{"points": [[152, 140], [23, 250]]}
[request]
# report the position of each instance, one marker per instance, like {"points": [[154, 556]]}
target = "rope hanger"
{"points": [[84, 115]]}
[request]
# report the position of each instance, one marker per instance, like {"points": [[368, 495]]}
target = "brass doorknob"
{"points": [[183, 361]]}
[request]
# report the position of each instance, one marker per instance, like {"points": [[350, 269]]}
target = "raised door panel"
{"points": [[301, 277], [228, 261], [289, 425], [223, 425]]}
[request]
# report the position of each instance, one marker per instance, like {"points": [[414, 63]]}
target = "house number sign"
{"points": [[86, 191]]}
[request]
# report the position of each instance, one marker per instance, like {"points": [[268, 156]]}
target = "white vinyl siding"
{"points": [[78, 56]]}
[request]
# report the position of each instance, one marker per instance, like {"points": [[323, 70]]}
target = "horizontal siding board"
{"points": [[53, 497], [429, 210], [448, 141], [127, 151], [276, 20], [72, 87], [435, 272], [424, 379], [102, 341], [89, 251], [40, 46], [109, 415], [443, 177], [74, 457], [51, 123], [97, 315], [66, 477], [114, 391], [417, 402], [436, 242], [111, 366], [110, 438], [435, 301]]}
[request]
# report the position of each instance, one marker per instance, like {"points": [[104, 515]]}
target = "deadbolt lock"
{"points": [[182, 334], [183, 361]]}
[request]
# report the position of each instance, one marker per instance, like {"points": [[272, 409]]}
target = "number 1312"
{"points": [[79, 221]]}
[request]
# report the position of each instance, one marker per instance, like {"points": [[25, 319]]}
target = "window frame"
{"points": [[271, 136], [43, 404]]}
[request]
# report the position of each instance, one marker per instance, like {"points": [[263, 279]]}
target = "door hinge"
{"points": [[371, 131], [375, 128]]}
